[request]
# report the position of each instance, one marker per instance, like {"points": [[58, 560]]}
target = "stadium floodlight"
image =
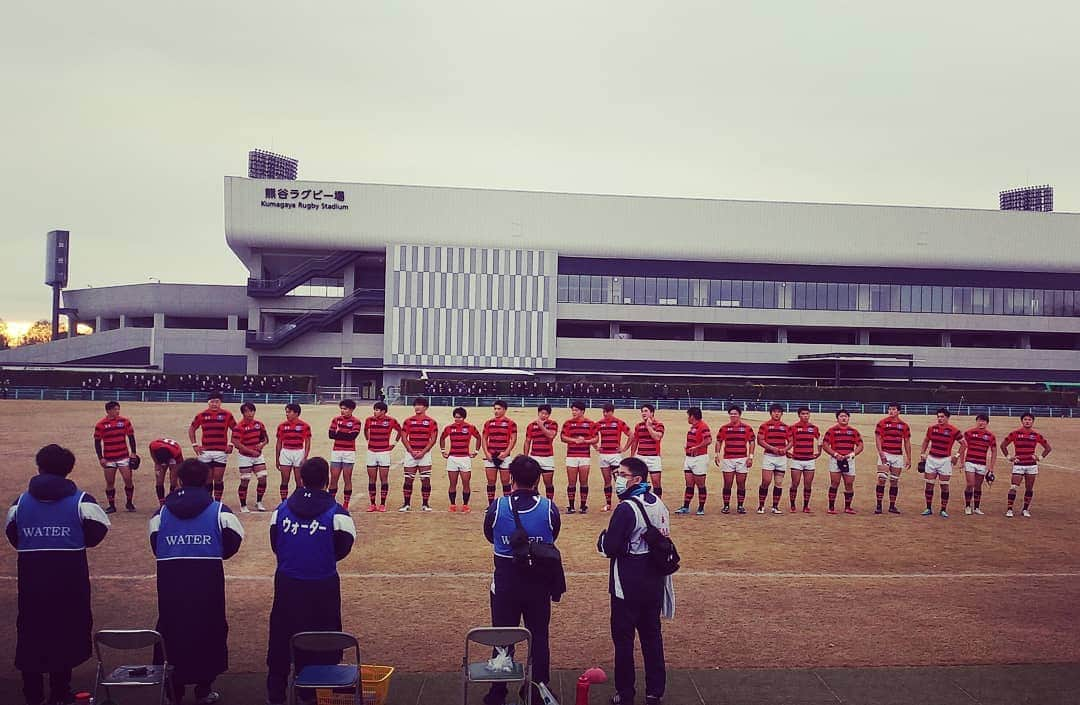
{"points": [[1028, 198], [268, 165]]}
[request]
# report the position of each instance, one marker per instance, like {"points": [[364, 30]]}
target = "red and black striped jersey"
{"points": [[646, 444], [804, 436], [583, 427], [736, 438], [697, 439], [775, 434], [344, 424], [893, 433], [460, 433], [611, 432], [215, 427], [842, 439], [113, 434], [378, 430], [419, 430], [169, 444], [942, 437], [292, 434], [498, 432], [250, 434], [540, 445], [1025, 440], [979, 443]]}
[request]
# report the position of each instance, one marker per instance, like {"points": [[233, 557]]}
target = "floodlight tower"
{"points": [[268, 165], [1027, 198]]}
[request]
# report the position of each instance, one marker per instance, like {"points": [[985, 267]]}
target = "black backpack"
{"points": [[663, 556]]}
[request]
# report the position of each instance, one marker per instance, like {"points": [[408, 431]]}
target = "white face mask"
{"points": [[620, 484]]}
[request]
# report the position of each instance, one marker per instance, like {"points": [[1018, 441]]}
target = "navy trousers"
{"points": [[642, 617]]}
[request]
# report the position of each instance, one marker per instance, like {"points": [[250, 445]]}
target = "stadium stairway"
{"points": [[315, 319], [314, 267]]}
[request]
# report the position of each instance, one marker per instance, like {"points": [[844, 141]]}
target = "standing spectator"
{"points": [[638, 591], [309, 533], [520, 590], [51, 525], [191, 536]]}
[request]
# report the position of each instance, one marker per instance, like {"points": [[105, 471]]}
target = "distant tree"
{"points": [[3, 335], [40, 332]]}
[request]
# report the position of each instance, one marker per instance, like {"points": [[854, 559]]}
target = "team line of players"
{"points": [[795, 447]]}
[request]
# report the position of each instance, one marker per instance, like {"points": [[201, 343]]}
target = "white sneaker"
{"points": [[425, 508], [776, 510], [260, 507], [967, 510], [1009, 513], [209, 699], [979, 511], [1026, 513], [405, 508], [761, 510], [244, 510]]}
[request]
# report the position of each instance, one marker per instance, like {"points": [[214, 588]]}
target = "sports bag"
{"points": [[663, 556]]}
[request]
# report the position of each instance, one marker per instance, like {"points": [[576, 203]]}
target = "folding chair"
{"points": [[324, 675], [127, 676], [492, 637]]}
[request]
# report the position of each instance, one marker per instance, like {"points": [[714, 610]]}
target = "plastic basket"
{"points": [[375, 681]]}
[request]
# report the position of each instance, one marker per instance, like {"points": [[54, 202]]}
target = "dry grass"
{"points": [[790, 590]]}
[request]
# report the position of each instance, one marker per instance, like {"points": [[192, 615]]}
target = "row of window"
{"points": [[825, 296]]}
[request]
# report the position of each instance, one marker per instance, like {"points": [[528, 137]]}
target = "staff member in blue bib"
{"points": [[637, 590], [517, 592], [309, 533], [51, 525], [191, 536]]}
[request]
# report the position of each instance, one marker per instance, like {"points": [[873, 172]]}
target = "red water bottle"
{"points": [[83, 698], [590, 676]]}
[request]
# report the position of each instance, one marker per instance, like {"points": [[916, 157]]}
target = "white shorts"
{"points": [[505, 467], [834, 468], [546, 462], [291, 457], [1025, 469], [246, 462], [696, 464], [122, 463], [214, 457], [776, 463], [423, 461], [977, 469], [652, 462], [378, 458], [938, 466], [893, 460], [343, 457], [804, 465], [734, 465], [610, 460], [456, 463], [578, 462]]}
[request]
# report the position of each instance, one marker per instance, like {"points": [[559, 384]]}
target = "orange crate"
{"points": [[375, 681]]}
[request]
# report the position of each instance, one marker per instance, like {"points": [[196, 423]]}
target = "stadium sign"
{"points": [[304, 199]]}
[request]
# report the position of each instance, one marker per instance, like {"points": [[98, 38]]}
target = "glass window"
{"points": [[905, 298], [1069, 309], [716, 292], [800, 296], [831, 291], [684, 292], [572, 289], [946, 299], [935, 299], [650, 290], [771, 294], [562, 288]]}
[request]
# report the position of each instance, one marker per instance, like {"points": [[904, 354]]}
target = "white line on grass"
{"points": [[684, 573]]}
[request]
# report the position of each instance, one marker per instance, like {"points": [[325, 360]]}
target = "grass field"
{"points": [[755, 591]]}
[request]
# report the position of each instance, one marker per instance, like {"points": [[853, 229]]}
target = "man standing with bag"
{"points": [[520, 591], [640, 590]]}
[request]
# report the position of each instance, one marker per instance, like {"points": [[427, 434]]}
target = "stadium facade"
{"points": [[366, 284]]}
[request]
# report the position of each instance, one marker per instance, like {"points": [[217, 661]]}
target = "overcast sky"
{"points": [[120, 119]]}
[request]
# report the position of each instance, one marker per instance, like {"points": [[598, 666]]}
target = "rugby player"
{"points": [[249, 437], [293, 448], [377, 430], [420, 432], [696, 465], [499, 439], [734, 455], [611, 430], [842, 443], [937, 453], [892, 437], [803, 451], [539, 435], [979, 458], [774, 438], [459, 457], [1025, 464], [344, 429], [648, 434], [579, 435], [214, 447], [113, 437], [167, 455]]}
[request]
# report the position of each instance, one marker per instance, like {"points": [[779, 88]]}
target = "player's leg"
{"points": [[504, 480], [110, 487], [807, 490], [688, 493], [261, 475], [466, 490], [702, 491], [793, 490], [335, 476], [849, 492], [969, 488], [740, 487], [976, 492], [384, 486], [834, 488], [174, 482], [218, 473], [346, 474], [930, 478], [451, 492], [879, 490], [1029, 492], [1015, 481], [242, 487], [571, 486], [285, 470], [372, 479], [425, 487], [894, 484], [159, 482], [492, 475], [657, 485], [583, 486], [729, 480], [549, 484], [778, 489], [129, 485], [605, 471], [763, 488], [407, 483]]}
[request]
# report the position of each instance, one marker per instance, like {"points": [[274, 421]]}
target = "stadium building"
{"points": [[364, 285]]}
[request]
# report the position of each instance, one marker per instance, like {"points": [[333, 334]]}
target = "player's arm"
{"points": [[961, 455], [750, 447], [1045, 444], [264, 438], [442, 442], [1005, 447], [717, 449], [432, 437], [527, 448], [565, 437], [397, 439], [962, 445], [993, 452], [762, 440], [484, 442], [131, 441], [633, 443], [277, 448], [307, 442], [907, 452], [858, 447], [191, 435], [98, 450], [237, 444], [827, 447], [925, 445], [232, 425], [549, 432], [629, 439], [332, 433], [878, 444]]}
